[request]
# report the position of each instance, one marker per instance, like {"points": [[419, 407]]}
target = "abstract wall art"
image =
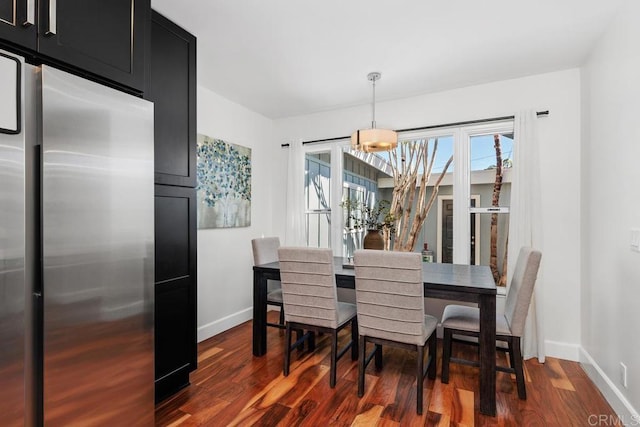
{"points": [[224, 184]]}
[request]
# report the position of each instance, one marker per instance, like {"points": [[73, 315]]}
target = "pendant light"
{"points": [[374, 139]]}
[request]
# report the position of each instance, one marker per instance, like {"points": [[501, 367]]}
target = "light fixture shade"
{"points": [[371, 140]]}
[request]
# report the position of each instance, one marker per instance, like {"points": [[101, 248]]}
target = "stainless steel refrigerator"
{"points": [[76, 250]]}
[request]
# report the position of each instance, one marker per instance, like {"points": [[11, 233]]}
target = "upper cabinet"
{"points": [[17, 22], [103, 37], [171, 85]]}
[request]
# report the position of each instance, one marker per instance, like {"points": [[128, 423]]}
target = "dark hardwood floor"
{"points": [[231, 387]]}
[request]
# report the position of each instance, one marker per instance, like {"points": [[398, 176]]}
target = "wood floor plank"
{"points": [[559, 378], [205, 415], [232, 387], [328, 402], [367, 418], [437, 420], [203, 355], [301, 412], [441, 398], [383, 392], [180, 420], [462, 412], [591, 398], [382, 422], [542, 396]]}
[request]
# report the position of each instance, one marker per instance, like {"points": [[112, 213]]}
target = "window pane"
{"points": [[486, 151], [318, 230], [491, 188], [437, 230], [352, 236], [446, 230], [443, 153], [360, 188], [318, 199]]}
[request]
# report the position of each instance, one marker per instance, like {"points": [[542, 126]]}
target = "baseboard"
{"points": [[621, 406], [562, 350], [221, 325]]}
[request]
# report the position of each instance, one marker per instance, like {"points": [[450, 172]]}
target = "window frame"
{"points": [[335, 148]]}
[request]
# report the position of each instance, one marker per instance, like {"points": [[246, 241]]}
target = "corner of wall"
{"points": [[627, 414], [562, 350], [585, 198], [224, 323]]}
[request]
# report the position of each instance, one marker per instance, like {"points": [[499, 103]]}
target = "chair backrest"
{"points": [[521, 289], [390, 295], [265, 250], [308, 286]]}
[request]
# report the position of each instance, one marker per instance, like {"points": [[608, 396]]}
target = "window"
{"points": [[468, 223], [334, 173]]}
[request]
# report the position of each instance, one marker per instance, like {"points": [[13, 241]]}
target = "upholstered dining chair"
{"points": [[390, 305], [265, 250], [310, 303], [461, 320]]}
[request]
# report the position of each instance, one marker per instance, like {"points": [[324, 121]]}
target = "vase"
{"points": [[373, 240]]}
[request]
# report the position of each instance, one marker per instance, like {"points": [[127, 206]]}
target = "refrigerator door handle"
{"points": [[53, 19], [38, 252], [31, 13]]}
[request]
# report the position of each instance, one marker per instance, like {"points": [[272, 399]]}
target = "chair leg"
{"points": [[312, 341], [354, 339], [433, 350], [282, 315], [419, 378], [514, 346], [334, 358], [362, 350], [287, 350], [446, 355], [299, 334], [378, 357]]}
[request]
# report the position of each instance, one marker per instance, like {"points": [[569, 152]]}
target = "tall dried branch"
{"points": [[503, 276], [408, 194], [497, 187]]}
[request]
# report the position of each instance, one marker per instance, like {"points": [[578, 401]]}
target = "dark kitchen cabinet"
{"points": [[171, 85], [17, 23], [101, 38], [175, 288]]}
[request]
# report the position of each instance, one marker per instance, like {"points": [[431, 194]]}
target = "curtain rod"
{"points": [[446, 125]]}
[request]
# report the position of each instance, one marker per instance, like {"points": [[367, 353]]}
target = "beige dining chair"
{"points": [[461, 320], [265, 250], [390, 305], [310, 303]]}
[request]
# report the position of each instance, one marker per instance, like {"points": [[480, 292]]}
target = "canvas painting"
{"points": [[224, 184]]}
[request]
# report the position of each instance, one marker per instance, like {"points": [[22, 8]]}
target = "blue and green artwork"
{"points": [[224, 184]]}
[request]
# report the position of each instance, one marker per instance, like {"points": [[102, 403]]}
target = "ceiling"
{"points": [[284, 58]]}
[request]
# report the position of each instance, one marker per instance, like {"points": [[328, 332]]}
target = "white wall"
{"points": [[611, 207], [560, 161], [225, 278]]}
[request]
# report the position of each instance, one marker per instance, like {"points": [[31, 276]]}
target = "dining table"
{"points": [[455, 282]]}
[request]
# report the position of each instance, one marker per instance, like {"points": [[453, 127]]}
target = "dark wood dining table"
{"points": [[470, 283]]}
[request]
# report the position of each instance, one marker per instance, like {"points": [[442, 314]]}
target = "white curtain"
{"points": [[525, 228], [295, 226]]}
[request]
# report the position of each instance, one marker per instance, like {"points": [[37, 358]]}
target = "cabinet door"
{"points": [[171, 85], [17, 22], [103, 37], [175, 288]]}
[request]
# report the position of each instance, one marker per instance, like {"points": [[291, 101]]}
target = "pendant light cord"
{"points": [[373, 105]]}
